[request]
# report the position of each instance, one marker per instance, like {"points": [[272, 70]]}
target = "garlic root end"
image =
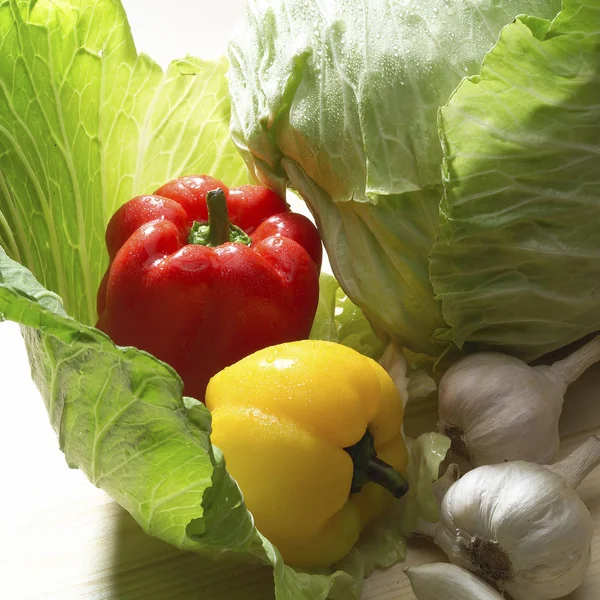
{"points": [[456, 435]]}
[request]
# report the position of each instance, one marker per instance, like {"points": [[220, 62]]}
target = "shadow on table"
{"points": [[145, 568]]}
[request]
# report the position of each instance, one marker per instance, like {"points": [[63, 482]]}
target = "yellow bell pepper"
{"points": [[299, 425]]}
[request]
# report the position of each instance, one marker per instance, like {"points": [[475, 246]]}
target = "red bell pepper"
{"points": [[201, 276]]}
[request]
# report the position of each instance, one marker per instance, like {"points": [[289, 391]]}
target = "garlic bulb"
{"points": [[521, 526], [496, 408], [442, 581]]}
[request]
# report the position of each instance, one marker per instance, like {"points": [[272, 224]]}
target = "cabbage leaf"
{"points": [[340, 101], [86, 123], [517, 261]]}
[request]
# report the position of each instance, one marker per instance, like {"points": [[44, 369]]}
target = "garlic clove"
{"points": [[443, 581]]}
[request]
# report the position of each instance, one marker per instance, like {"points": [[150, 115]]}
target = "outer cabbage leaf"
{"points": [[339, 101], [121, 419], [517, 262], [85, 124]]}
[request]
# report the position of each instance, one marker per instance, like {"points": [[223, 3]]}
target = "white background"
{"points": [[169, 29]]}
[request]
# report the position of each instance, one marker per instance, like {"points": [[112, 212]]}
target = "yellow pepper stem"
{"points": [[380, 472], [368, 467]]}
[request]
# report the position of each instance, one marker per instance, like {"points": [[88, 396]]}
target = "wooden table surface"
{"points": [[63, 539]]}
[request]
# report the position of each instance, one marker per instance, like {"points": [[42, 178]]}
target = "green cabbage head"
{"points": [[449, 151]]}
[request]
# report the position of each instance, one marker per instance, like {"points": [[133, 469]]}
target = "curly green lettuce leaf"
{"points": [[120, 418], [339, 320], [87, 123], [516, 262], [427, 453], [339, 101]]}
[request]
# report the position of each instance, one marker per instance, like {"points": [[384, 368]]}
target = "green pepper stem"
{"points": [[218, 229], [378, 471], [369, 467], [218, 220]]}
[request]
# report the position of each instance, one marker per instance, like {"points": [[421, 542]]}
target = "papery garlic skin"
{"points": [[482, 396], [519, 526], [443, 581]]}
